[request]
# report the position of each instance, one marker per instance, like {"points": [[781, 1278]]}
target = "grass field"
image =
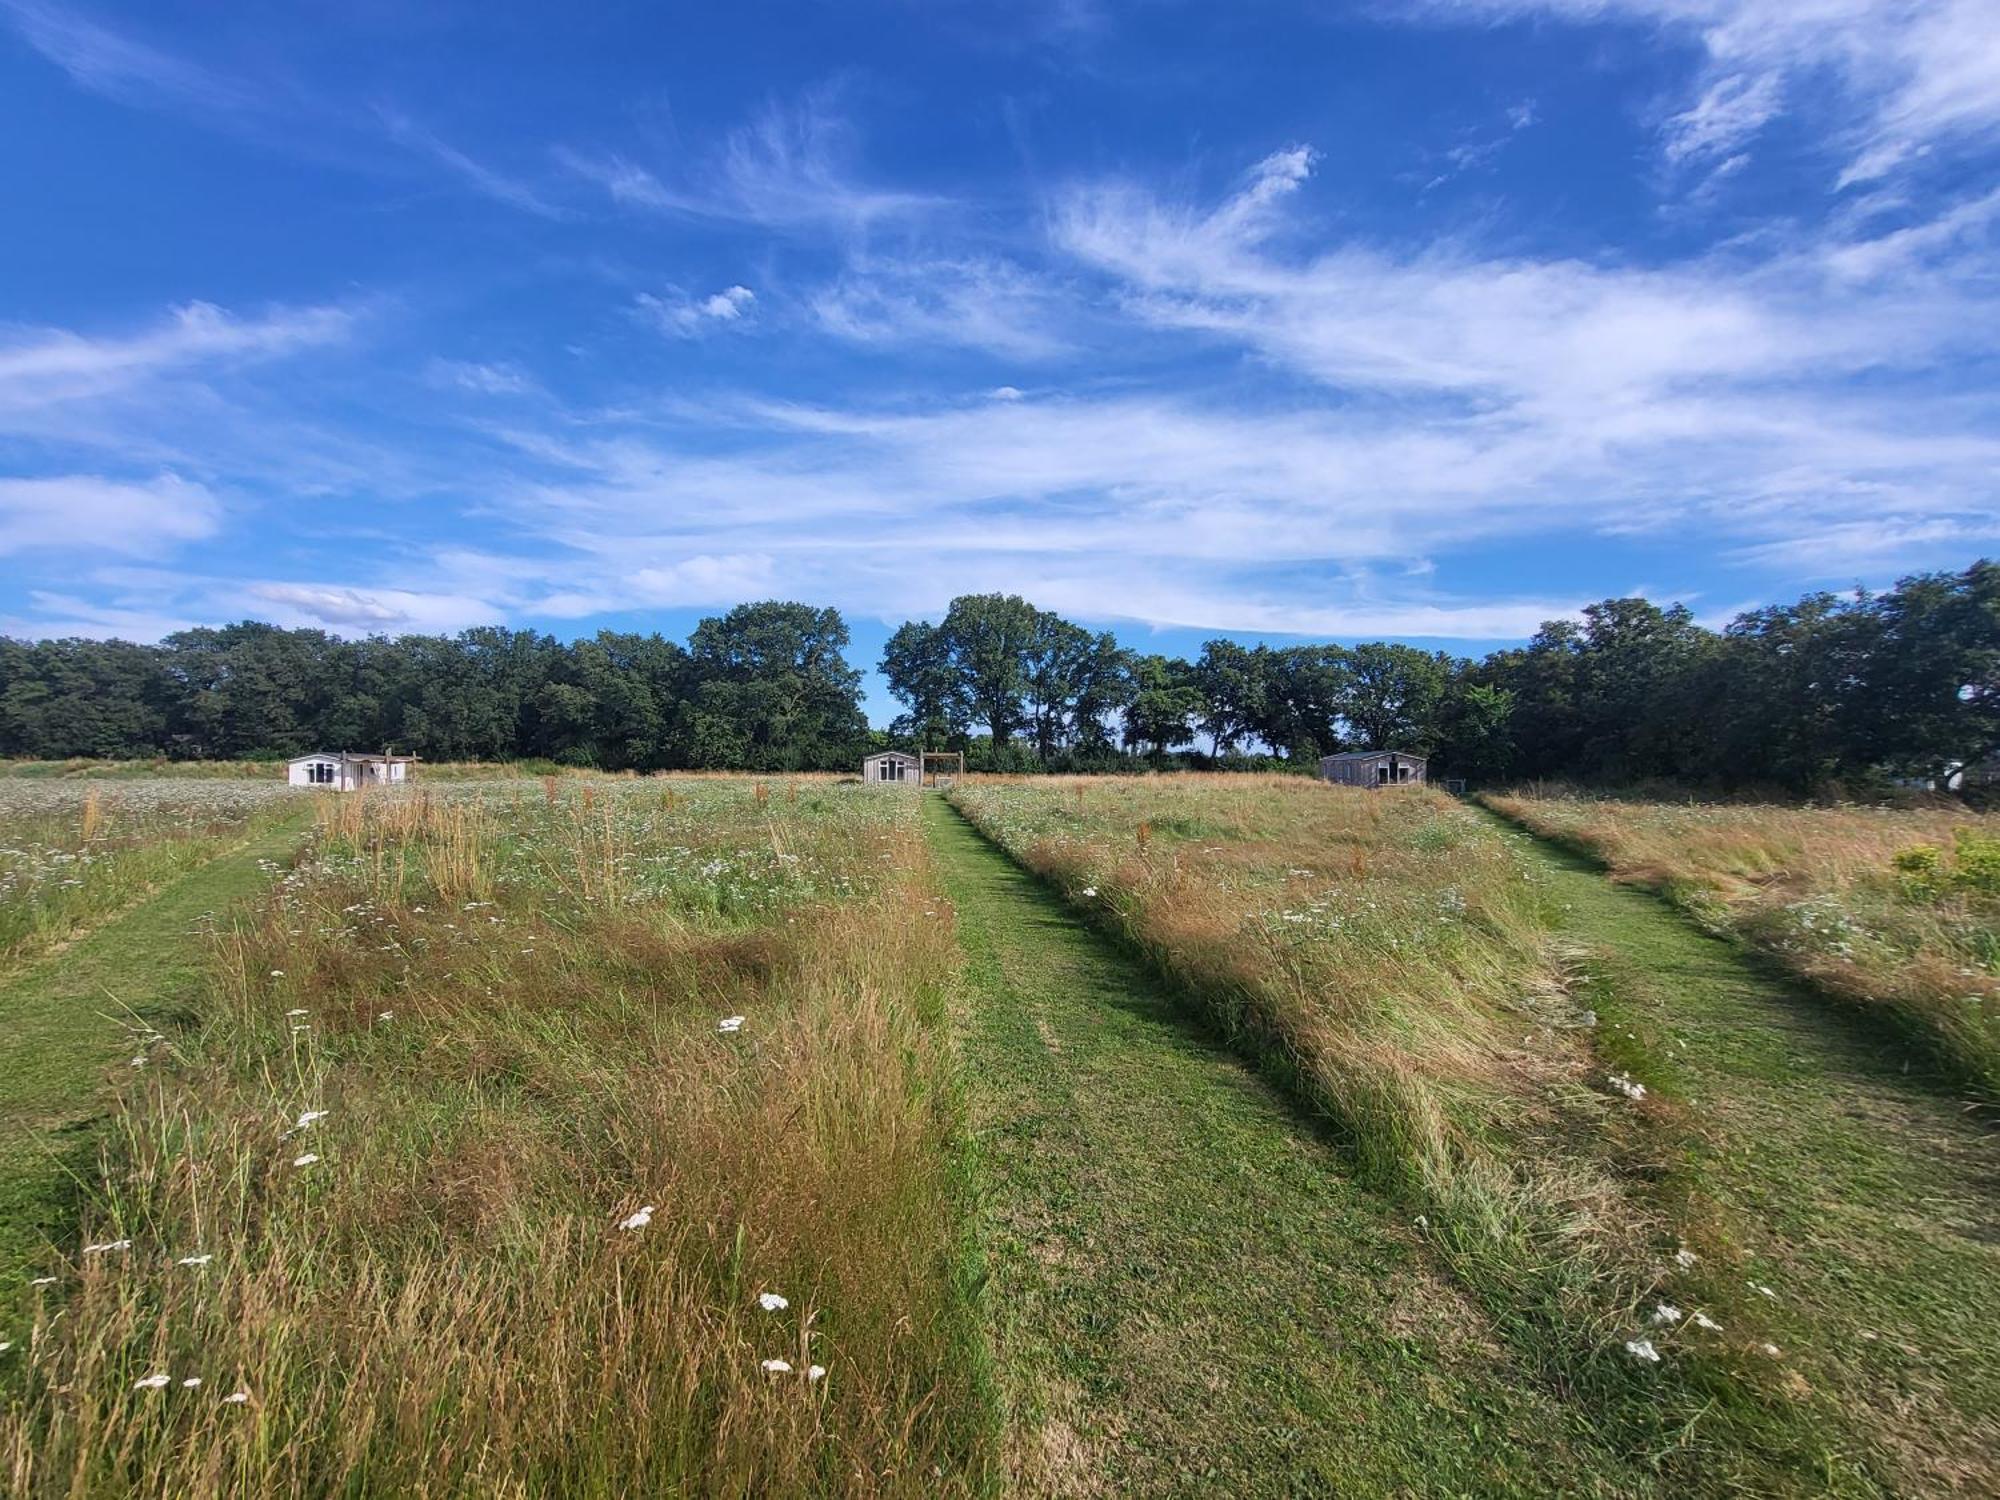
{"points": [[465, 1180], [1422, 978], [517, 1135], [1896, 911], [73, 851], [1189, 1289]]}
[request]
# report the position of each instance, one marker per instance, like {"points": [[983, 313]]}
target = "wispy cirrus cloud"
{"points": [[792, 167], [486, 180], [481, 378], [122, 67], [977, 302], [46, 366], [1912, 76]]}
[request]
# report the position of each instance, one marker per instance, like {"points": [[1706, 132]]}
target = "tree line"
{"points": [[1832, 690]]}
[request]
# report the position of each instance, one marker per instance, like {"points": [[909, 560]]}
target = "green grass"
{"points": [[81, 1012], [1830, 1167], [1188, 1293], [507, 1002], [1893, 913], [1389, 958]]}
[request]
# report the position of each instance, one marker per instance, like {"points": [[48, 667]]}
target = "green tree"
{"points": [[774, 676], [922, 676], [1165, 704], [1232, 680], [988, 638], [1303, 691], [1392, 696], [1928, 703]]}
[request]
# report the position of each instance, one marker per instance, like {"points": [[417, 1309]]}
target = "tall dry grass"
{"points": [[442, 1300], [1818, 889]]}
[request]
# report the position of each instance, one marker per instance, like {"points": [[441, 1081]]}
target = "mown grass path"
{"points": [[70, 1016], [1186, 1293], [1862, 1192]]}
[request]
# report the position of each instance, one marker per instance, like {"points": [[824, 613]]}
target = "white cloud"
{"points": [[45, 366], [791, 168], [487, 181], [686, 317], [367, 610], [120, 67], [1584, 352], [974, 302], [1922, 72], [1730, 112], [87, 512], [481, 379]]}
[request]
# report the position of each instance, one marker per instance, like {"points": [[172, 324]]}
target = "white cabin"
{"points": [[893, 767], [342, 772]]}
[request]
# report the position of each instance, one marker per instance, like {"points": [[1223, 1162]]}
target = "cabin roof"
{"points": [[386, 760], [891, 755], [1369, 755]]}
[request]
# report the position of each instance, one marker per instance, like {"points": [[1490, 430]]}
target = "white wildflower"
{"points": [[43, 1281], [309, 1117], [236, 1398], [151, 1382], [1643, 1351], [192, 1383], [816, 1373], [1089, 890], [778, 1366], [139, 1062], [5, 1345], [1706, 1323], [387, 1015], [194, 1260], [1763, 1291], [1772, 1350], [1685, 1258], [297, 1011], [107, 1247], [730, 1023], [307, 1160], [1626, 1086], [1666, 1312], [638, 1220], [277, 973], [772, 1302]]}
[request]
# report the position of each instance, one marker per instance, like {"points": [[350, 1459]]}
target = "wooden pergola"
{"points": [[954, 760]]}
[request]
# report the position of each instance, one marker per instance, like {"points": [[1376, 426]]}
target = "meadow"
{"points": [[570, 1133], [573, 1136], [1895, 911], [1416, 972], [74, 850]]}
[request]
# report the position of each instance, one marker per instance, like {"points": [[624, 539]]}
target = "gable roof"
{"points": [[1369, 755], [342, 755]]}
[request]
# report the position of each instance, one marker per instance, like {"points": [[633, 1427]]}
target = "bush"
{"points": [[1923, 873]]}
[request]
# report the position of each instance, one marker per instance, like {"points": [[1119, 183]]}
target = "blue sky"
{"points": [[1424, 321]]}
